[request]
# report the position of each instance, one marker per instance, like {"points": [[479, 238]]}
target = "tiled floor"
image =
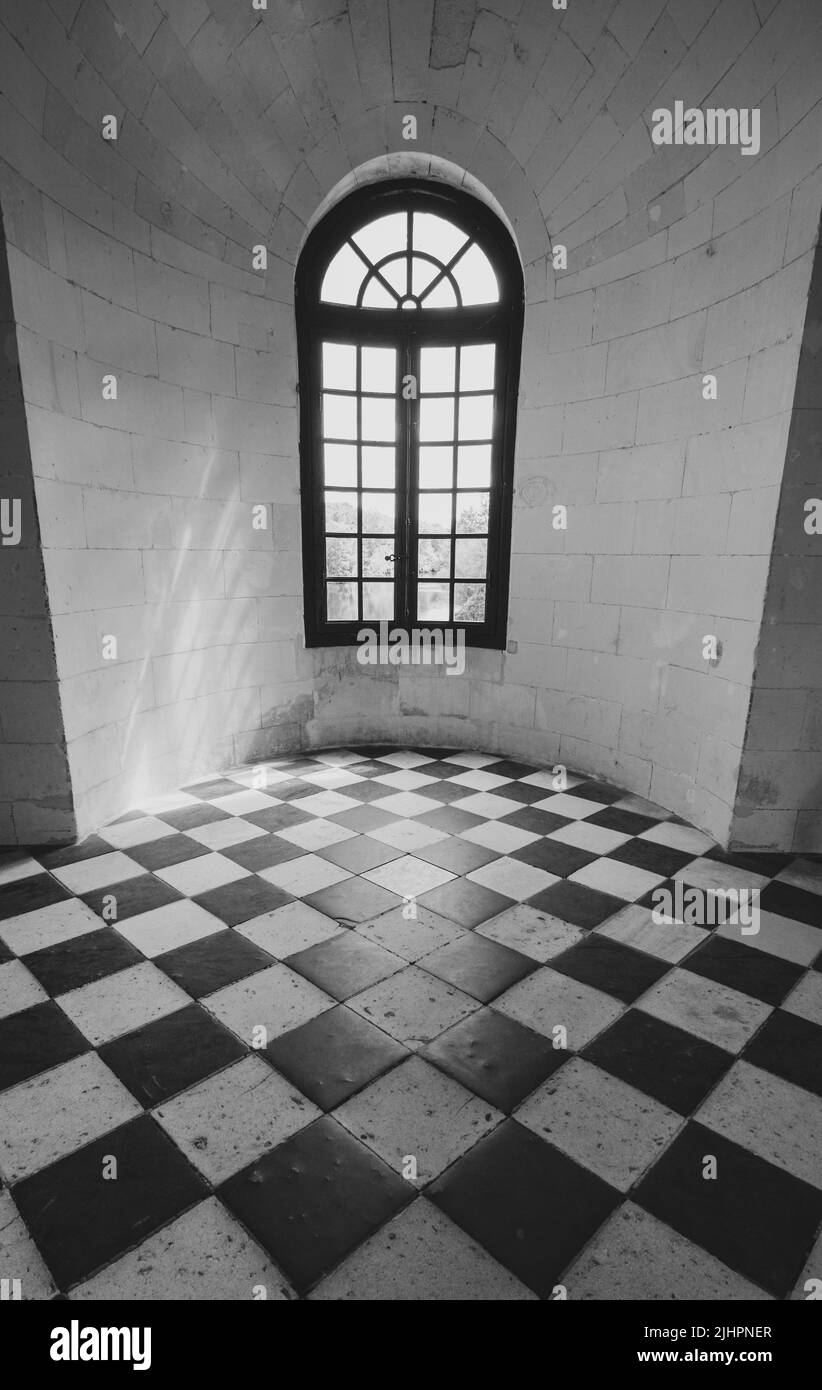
{"points": [[298, 1032]]}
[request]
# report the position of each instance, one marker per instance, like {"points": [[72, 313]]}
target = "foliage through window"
{"points": [[409, 317]]}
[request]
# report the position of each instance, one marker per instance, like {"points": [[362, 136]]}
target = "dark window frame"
{"points": [[407, 330]]}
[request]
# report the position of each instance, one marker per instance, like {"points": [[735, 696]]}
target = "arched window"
{"points": [[409, 319]]}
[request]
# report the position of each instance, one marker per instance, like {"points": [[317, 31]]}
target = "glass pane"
{"points": [[474, 465], [341, 511], [377, 601], [379, 369], [339, 367], [470, 559], [476, 417], [436, 465], [437, 418], [382, 236], [374, 552], [377, 467], [437, 368], [340, 556], [422, 273], [396, 273], [472, 512], [434, 559], [378, 512], [377, 297], [342, 280], [477, 367], [341, 601], [432, 602], [339, 417], [434, 512], [441, 297], [340, 465], [437, 236], [469, 603], [476, 279], [379, 418]]}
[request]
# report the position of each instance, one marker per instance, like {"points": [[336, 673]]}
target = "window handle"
{"points": [[389, 557]]}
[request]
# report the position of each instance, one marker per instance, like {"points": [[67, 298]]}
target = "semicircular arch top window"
{"points": [[409, 299]]}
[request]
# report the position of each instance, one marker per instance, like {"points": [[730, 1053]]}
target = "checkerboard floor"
{"points": [[299, 1029]]}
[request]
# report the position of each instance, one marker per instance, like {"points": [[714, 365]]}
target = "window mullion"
{"points": [[408, 357]]}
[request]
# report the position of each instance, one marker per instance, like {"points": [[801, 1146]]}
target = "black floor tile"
{"points": [[627, 822], [131, 897], [359, 854], [445, 792], [522, 792], [767, 864], [790, 1047], [263, 852], [169, 850], [506, 767], [787, 901], [341, 1192], [456, 855], [243, 899], [214, 788], [531, 1207], [741, 967], [72, 854], [30, 894], [345, 964], [363, 792], [538, 822], [191, 817], [478, 966], [464, 902], [574, 903], [171, 1054], [598, 791], [35, 1040], [644, 854], [71, 964], [334, 1055], [363, 819], [353, 900], [81, 1221], [755, 1218], [610, 967], [277, 818], [554, 857], [209, 964], [450, 819], [495, 1057], [673, 1066]]}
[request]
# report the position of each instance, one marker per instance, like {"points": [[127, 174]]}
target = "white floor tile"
{"points": [[408, 876], [326, 803], [119, 1003], [682, 837], [315, 834], [405, 804], [595, 838], [165, 928], [778, 936], [512, 878], [305, 875], [19, 1256], [488, 805], [243, 1112], [141, 831], [534, 933], [404, 780], [221, 834], [802, 873], [34, 931], [244, 803], [711, 874], [478, 780], [87, 875], [621, 880], [566, 804], [202, 874], [18, 866], [546, 1001], [407, 834], [780, 1122], [667, 940], [805, 999], [498, 835], [288, 929], [708, 1010], [18, 989], [266, 1004]]}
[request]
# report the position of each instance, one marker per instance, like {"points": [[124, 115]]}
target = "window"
{"points": [[409, 318]]}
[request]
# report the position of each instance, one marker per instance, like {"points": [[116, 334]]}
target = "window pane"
{"points": [[373, 557], [436, 465], [383, 235], [437, 236], [437, 368], [378, 418], [339, 417], [377, 467], [340, 465], [437, 418], [377, 600], [341, 600], [339, 367], [377, 296], [422, 273], [441, 297], [476, 417], [396, 273], [470, 559], [472, 512], [378, 513], [432, 602], [341, 511], [434, 512], [340, 556], [477, 367], [434, 559], [343, 278], [476, 279], [474, 465], [379, 369], [469, 603]]}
